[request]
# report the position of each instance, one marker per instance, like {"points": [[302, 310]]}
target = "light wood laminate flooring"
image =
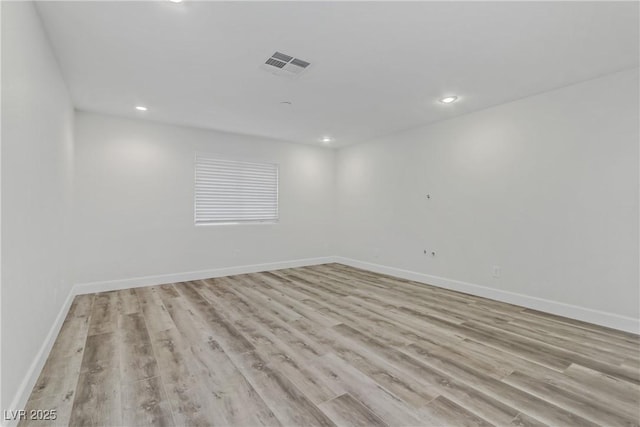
{"points": [[330, 345]]}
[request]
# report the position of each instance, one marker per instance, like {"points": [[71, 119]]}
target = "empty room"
{"points": [[326, 213]]}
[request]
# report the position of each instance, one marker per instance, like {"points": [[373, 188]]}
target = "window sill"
{"points": [[205, 224]]}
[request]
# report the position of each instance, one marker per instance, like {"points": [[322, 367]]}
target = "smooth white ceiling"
{"points": [[376, 67]]}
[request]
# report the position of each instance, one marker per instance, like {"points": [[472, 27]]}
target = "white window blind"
{"points": [[229, 191]]}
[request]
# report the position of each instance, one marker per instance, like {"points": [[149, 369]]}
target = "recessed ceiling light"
{"points": [[175, 1], [326, 139], [448, 99], [141, 108]]}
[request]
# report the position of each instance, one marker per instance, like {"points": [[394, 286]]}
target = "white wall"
{"points": [[134, 201], [545, 187], [37, 155]]}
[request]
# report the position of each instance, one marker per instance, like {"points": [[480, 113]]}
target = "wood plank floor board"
{"points": [[231, 396], [294, 304], [62, 368], [388, 304], [487, 365], [464, 373], [510, 395], [277, 281], [515, 344], [346, 411], [58, 377], [264, 328], [593, 349], [81, 306], [330, 345], [408, 326], [218, 391], [101, 353], [631, 363], [104, 314], [224, 331], [171, 353], [523, 420], [192, 406], [286, 352], [619, 392], [558, 348], [434, 305], [241, 405], [402, 286], [278, 309], [190, 402], [386, 405], [308, 379], [442, 411], [554, 323], [573, 402], [128, 302], [621, 395], [97, 399], [144, 403], [137, 360], [287, 402], [154, 311], [337, 308], [624, 336], [61, 404], [439, 382], [585, 337], [197, 350], [320, 283], [168, 291], [484, 406], [385, 374]]}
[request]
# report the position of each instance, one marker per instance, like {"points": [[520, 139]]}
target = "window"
{"points": [[229, 191]]}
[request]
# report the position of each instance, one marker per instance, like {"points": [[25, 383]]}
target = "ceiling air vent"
{"points": [[275, 63], [282, 57], [285, 65]]}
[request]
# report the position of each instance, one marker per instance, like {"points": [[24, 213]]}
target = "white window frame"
{"points": [[230, 161]]}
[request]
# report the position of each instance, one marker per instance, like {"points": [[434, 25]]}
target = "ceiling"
{"points": [[376, 67]]}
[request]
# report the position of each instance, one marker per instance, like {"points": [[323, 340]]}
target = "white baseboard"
{"points": [[31, 377], [137, 282], [602, 318]]}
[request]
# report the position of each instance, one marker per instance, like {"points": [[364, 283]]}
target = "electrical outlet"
{"points": [[496, 271]]}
